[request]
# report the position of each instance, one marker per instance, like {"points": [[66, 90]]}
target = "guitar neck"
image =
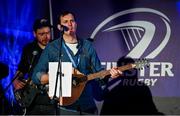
{"points": [[105, 73]]}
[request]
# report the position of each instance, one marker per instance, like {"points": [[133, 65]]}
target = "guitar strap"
{"points": [[70, 56]]}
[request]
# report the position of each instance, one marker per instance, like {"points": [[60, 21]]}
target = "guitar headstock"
{"points": [[140, 63]]}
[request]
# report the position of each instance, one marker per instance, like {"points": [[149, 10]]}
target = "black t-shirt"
{"points": [[30, 56]]}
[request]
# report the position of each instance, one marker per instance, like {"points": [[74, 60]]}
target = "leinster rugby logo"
{"points": [[137, 33], [144, 33]]}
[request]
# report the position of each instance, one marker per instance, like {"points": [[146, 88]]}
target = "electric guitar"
{"points": [[26, 95], [79, 80]]}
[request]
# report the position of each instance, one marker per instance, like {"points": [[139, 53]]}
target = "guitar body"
{"points": [[78, 83], [79, 80], [76, 92], [26, 95]]}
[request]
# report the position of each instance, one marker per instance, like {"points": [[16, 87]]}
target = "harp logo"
{"points": [[142, 32]]}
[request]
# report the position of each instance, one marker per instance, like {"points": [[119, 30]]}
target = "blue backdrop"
{"points": [[17, 17]]}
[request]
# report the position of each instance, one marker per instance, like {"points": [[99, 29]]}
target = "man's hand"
{"points": [[44, 79], [115, 72], [18, 84], [75, 71]]}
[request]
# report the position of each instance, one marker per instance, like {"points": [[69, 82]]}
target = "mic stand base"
{"points": [[54, 101]]}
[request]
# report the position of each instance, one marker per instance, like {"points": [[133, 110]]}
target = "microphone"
{"points": [[34, 53], [62, 28]]}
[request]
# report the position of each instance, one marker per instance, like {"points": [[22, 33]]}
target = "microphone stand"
{"points": [[59, 73]]}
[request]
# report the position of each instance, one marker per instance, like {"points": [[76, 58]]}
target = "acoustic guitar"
{"points": [[79, 80]]}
